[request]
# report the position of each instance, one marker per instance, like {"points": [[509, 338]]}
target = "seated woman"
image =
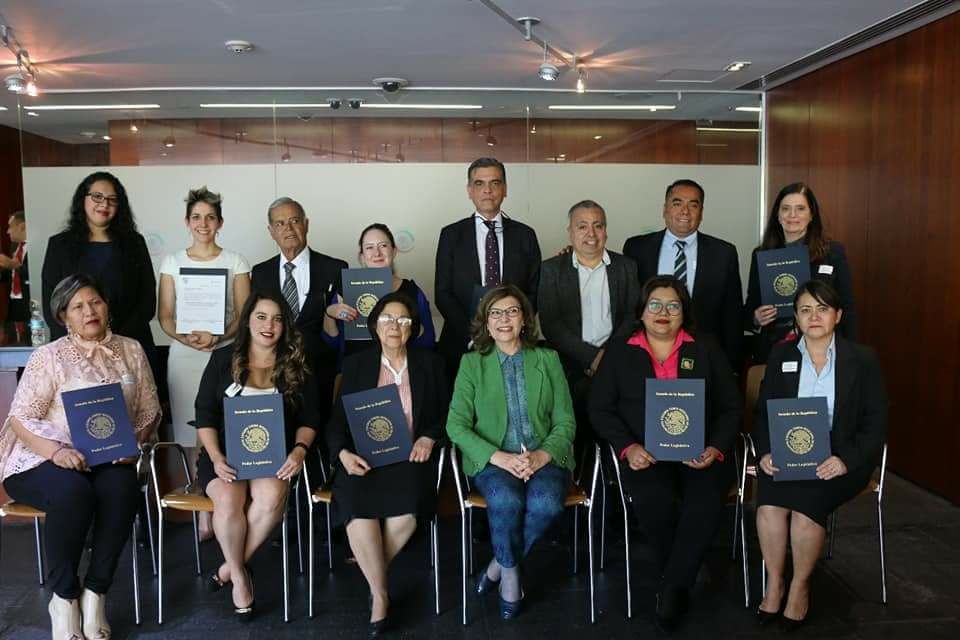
{"points": [[378, 249], [677, 504], [267, 357], [39, 467], [511, 416], [821, 363], [398, 493]]}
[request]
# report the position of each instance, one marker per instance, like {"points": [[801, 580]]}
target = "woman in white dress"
{"points": [[189, 352]]}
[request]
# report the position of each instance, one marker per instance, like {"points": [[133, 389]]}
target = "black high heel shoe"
{"points": [[486, 585], [766, 617], [510, 610], [789, 625], [213, 582], [245, 614], [377, 629]]}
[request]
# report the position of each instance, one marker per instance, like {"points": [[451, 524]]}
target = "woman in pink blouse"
{"points": [[39, 466], [380, 506]]}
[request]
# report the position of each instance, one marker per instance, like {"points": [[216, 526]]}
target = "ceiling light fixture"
{"points": [[3, 108], [598, 137], [92, 107], [611, 107], [387, 105], [739, 65], [533, 129], [548, 71], [238, 46], [107, 138], [728, 129], [267, 105], [581, 75], [169, 142], [749, 109], [24, 80], [491, 140], [134, 128], [32, 114]]}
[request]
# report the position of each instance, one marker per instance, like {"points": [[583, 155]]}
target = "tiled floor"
{"points": [[923, 561]]}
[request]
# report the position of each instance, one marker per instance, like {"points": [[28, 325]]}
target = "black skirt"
{"points": [[816, 499], [393, 490]]}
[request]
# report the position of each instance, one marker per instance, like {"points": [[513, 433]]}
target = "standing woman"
{"points": [[190, 352], [101, 240], [267, 357], [511, 416], [397, 494], [378, 249], [848, 375], [795, 219]]}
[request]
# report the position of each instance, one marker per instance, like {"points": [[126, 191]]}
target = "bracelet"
{"points": [[58, 450], [306, 448]]}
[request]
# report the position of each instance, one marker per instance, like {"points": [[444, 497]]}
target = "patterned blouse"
{"points": [[519, 436], [65, 365]]}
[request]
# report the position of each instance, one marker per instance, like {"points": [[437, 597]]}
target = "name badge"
{"points": [[126, 379], [789, 367], [234, 389], [826, 269]]}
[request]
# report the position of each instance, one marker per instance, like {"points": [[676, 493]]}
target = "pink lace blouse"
{"points": [[73, 363]]}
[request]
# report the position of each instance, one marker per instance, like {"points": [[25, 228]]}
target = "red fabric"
{"points": [[16, 288]]}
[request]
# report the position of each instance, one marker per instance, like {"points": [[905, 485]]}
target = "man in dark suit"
{"points": [[708, 265], [18, 311], [309, 281], [481, 251]]}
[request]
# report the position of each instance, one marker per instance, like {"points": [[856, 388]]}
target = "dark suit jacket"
{"points": [[458, 272], [561, 318], [325, 283], [717, 291], [131, 308], [19, 308], [840, 279], [860, 402], [428, 389], [618, 394]]}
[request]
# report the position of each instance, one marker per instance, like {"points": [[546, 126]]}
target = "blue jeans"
{"points": [[520, 512]]}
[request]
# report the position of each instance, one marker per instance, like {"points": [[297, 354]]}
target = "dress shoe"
{"points": [[65, 619], [789, 625], [213, 582], [510, 610], [377, 629], [486, 585], [672, 604], [766, 617], [93, 608], [245, 614]]}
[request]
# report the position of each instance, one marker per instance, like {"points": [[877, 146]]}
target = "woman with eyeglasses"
{"points": [[378, 249], [678, 504], [101, 240], [381, 506], [511, 417]]}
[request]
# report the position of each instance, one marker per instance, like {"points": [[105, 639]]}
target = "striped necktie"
{"points": [[680, 263], [290, 290]]}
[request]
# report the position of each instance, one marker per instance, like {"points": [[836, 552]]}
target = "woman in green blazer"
{"points": [[512, 418]]}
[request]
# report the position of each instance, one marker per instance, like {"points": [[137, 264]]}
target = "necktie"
{"points": [[290, 289], [680, 263], [16, 287], [491, 276]]}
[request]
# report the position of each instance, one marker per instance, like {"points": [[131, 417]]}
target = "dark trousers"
{"points": [[678, 509], [107, 497], [520, 512]]}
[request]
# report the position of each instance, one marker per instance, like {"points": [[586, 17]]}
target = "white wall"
{"points": [[414, 200]]}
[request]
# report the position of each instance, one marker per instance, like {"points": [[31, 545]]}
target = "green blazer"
{"points": [[477, 422]]}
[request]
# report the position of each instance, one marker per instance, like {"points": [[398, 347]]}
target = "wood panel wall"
{"points": [[877, 136]]}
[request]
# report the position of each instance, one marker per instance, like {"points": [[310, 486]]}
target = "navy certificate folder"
{"points": [[674, 421], [781, 273], [255, 435], [799, 436], [362, 289], [100, 426], [381, 435]]}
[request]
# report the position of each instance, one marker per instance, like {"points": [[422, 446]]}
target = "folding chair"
{"points": [[576, 497]]}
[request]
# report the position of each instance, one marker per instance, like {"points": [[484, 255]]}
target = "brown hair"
{"points": [[482, 340], [816, 239]]}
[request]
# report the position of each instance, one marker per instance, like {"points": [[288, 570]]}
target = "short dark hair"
{"points": [[685, 182], [482, 340], [67, 288], [586, 204], [203, 194], [821, 291], [818, 244], [667, 282], [481, 163], [398, 297], [18, 216]]}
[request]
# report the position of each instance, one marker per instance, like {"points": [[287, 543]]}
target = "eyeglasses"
{"points": [[673, 308], [279, 225], [510, 312], [402, 321], [100, 198]]}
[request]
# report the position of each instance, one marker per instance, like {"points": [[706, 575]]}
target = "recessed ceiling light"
{"points": [[134, 128], [729, 129], [107, 138], [491, 141], [611, 107], [533, 129], [238, 46], [385, 105], [739, 65], [750, 109], [169, 142], [598, 137], [2, 108], [264, 105], [32, 114], [92, 107], [562, 156]]}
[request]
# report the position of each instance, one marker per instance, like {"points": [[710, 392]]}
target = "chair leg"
{"points": [[832, 521], [136, 573], [736, 518], [576, 537], [743, 554], [883, 555], [763, 579], [626, 539], [296, 504], [310, 560], [153, 551], [463, 563], [329, 540], [286, 572], [435, 543], [39, 541], [593, 611], [470, 521], [603, 519], [196, 542], [159, 567]]}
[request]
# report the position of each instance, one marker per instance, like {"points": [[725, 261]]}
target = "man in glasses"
{"points": [[707, 265], [481, 251]]}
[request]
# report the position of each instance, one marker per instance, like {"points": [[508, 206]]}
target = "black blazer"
{"points": [[217, 376], [860, 403], [717, 290], [19, 308], [458, 272], [561, 314], [618, 393], [131, 308], [840, 279], [428, 389]]}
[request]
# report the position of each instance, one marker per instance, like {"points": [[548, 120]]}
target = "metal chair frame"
{"points": [[469, 501]]}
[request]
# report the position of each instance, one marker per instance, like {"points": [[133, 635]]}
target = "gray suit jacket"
{"points": [[561, 318]]}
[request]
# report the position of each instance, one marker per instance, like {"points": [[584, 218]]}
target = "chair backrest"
{"points": [[754, 378]]}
